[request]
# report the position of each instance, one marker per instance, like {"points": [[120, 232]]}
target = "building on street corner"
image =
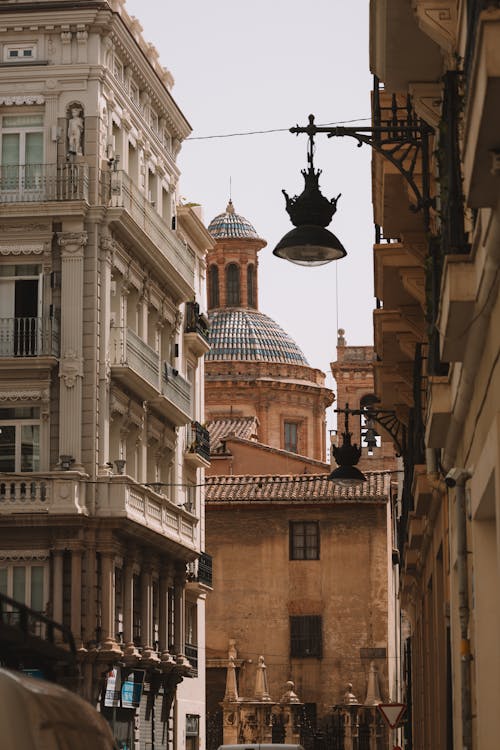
{"points": [[437, 341], [102, 335]]}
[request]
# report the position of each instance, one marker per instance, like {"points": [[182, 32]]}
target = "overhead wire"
{"points": [[270, 130]]}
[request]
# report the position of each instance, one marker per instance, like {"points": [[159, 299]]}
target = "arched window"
{"points": [[232, 285], [213, 286], [251, 285]]}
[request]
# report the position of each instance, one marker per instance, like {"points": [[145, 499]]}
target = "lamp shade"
{"points": [[309, 245], [347, 476]]}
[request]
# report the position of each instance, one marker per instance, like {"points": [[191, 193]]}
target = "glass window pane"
{"points": [[3, 581], [37, 588], [34, 148], [10, 149], [30, 447], [7, 448], [19, 584], [9, 171], [22, 121]]}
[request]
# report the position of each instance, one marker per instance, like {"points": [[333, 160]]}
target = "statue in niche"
{"points": [[75, 131]]}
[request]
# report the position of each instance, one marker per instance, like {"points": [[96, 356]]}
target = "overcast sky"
{"points": [[265, 65]]}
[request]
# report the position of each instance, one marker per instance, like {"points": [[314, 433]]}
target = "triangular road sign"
{"points": [[392, 713]]}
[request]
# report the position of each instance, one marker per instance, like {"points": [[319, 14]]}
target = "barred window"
{"points": [[304, 540], [305, 636]]}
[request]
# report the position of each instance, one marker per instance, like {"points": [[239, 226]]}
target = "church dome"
{"points": [[245, 334], [230, 225]]}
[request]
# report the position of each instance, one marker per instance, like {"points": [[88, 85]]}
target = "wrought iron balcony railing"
{"points": [[35, 183], [17, 618], [196, 322], [200, 570], [29, 337], [198, 440]]}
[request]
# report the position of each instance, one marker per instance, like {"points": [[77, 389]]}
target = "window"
{"points": [[213, 286], [232, 285], [21, 153], [19, 439], [26, 582], [251, 285], [305, 636], [291, 436], [20, 309], [191, 644], [13, 53], [304, 540]]}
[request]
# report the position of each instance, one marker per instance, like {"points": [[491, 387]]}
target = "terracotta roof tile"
{"points": [[241, 427], [299, 487]]}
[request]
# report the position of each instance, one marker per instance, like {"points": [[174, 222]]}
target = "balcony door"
{"points": [[22, 157], [20, 303]]}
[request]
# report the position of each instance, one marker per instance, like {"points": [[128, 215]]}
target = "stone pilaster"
{"points": [[72, 246], [76, 595], [106, 265]]}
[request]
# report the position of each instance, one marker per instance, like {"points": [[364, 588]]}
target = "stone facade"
{"points": [[101, 376], [437, 343]]}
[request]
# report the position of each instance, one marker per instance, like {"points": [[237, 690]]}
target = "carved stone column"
{"points": [[179, 611], [57, 603], [128, 600], [72, 246], [146, 606], [165, 582], [76, 595]]}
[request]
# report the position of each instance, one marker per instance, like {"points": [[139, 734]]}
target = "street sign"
{"points": [[132, 683], [112, 692], [392, 713]]}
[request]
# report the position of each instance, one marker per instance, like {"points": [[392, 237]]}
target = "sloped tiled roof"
{"points": [[241, 427], [298, 488], [230, 225], [242, 334]]}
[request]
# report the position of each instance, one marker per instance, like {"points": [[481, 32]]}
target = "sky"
{"points": [[244, 66]]}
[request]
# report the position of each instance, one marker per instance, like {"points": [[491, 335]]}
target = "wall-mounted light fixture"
{"points": [[66, 461]]}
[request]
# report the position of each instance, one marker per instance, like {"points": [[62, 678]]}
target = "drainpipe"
{"points": [[456, 479]]}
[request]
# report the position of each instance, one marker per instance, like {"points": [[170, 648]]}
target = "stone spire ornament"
{"points": [[373, 697], [261, 687], [231, 693]]}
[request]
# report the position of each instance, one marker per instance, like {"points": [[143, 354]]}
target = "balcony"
{"points": [[177, 390], [134, 361], [136, 365], [63, 494], [197, 445], [29, 337], [196, 329], [482, 119], [28, 635], [134, 213], [121, 497], [200, 570], [40, 183]]}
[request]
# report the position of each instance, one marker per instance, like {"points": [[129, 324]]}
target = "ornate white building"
{"points": [[102, 334]]}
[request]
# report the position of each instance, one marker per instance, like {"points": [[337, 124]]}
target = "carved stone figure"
{"points": [[75, 132]]}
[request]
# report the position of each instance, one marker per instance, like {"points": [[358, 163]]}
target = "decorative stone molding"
{"points": [[438, 19], [24, 395], [8, 228], [427, 100], [22, 99], [70, 368], [22, 249], [15, 555], [72, 242]]}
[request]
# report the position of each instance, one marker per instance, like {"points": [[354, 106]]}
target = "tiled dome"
{"points": [[231, 225], [241, 334]]}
